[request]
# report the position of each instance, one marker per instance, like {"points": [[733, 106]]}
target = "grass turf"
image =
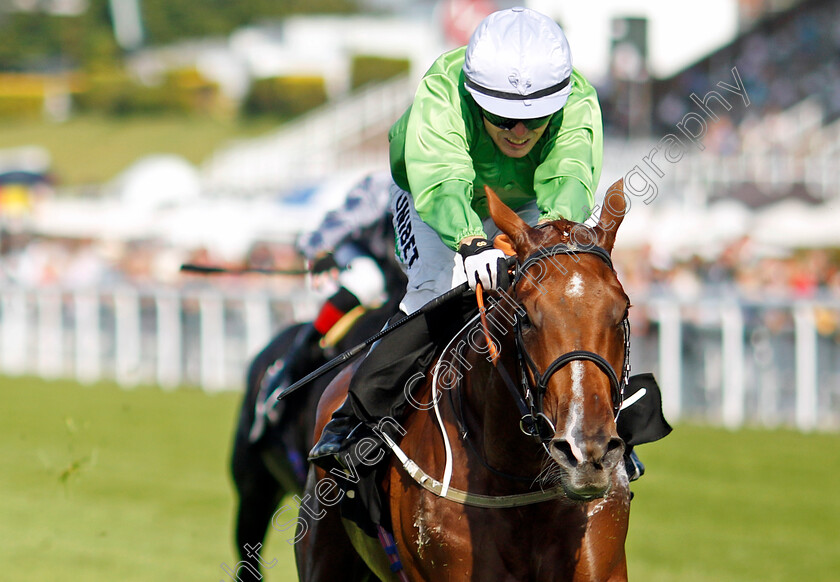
{"points": [[103, 484], [90, 149], [751, 505], [107, 484]]}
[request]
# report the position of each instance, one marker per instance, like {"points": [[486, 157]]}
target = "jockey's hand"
{"points": [[484, 264]]}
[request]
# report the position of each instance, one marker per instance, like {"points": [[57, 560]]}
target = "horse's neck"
{"points": [[493, 418]]}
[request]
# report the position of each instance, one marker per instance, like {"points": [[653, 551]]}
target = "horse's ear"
{"points": [[615, 207], [507, 220]]}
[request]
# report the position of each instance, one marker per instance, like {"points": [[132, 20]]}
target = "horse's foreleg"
{"points": [[606, 535], [323, 551], [259, 495], [620, 573]]}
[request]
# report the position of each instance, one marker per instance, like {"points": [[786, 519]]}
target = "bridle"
{"points": [[529, 396]]}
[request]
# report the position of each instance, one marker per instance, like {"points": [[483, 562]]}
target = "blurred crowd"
{"points": [[782, 61], [32, 261], [743, 269], [763, 280]]}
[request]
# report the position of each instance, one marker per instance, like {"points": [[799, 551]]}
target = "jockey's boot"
{"points": [[395, 365], [333, 437], [303, 355], [633, 465]]}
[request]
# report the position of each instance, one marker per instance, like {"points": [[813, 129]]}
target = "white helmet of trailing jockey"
{"points": [[518, 65]]}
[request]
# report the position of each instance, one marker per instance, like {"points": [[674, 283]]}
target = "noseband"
{"points": [[534, 422]]}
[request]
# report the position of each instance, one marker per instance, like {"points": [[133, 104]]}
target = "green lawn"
{"points": [[102, 484], [91, 149], [741, 506]]}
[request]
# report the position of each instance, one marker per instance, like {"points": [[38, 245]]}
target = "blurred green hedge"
{"points": [[372, 69], [112, 91], [285, 97], [22, 95], [21, 106], [181, 91]]}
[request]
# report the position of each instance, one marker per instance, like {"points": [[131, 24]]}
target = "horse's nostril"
{"points": [[601, 452], [565, 449]]}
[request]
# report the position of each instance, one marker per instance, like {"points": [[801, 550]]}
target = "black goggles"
{"points": [[508, 123]]}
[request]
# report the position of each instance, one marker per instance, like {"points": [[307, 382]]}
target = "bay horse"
{"points": [[514, 472], [267, 468]]}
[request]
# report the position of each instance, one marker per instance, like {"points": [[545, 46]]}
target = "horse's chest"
{"points": [[482, 544]]}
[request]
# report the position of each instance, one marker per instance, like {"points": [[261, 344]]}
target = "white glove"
{"points": [[484, 264]]}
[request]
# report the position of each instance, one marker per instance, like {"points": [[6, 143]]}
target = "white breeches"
{"points": [[432, 268]]}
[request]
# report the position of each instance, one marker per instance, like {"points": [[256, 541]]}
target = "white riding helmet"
{"points": [[518, 64]]}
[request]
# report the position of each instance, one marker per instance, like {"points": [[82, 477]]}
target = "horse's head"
{"points": [[574, 339]]}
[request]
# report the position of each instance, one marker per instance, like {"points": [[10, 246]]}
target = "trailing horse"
{"points": [[270, 463], [511, 466]]}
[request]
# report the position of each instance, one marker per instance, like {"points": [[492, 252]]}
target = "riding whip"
{"points": [[209, 270], [354, 351]]}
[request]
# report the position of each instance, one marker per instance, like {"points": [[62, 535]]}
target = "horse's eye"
{"points": [[624, 316], [525, 321]]}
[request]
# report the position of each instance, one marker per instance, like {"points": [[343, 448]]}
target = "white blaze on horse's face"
{"points": [[574, 288], [574, 420]]}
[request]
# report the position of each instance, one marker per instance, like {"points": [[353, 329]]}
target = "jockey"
{"points": [[354, 245], [507, 111]]}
